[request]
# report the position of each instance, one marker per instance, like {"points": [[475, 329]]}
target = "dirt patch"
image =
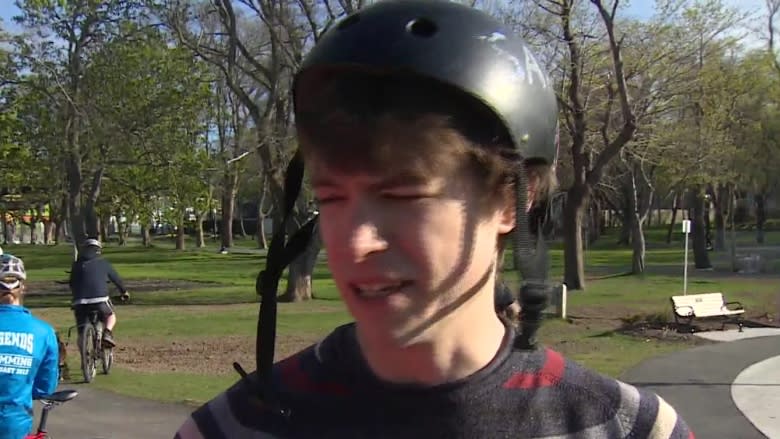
{"points": [[661, 325], [208, 356], [54, 288], [215, 355]]}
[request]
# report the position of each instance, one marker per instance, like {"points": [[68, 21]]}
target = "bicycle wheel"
{"points": [[87, 348], [107, 358]]}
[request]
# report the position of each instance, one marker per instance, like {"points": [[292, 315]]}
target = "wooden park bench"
{"points": [[709, 305]]}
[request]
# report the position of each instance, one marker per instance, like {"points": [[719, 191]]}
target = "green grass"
{"points": [[187, 388], [220, 301], [173, 387]]}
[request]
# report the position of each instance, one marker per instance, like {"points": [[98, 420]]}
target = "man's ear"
{"points": [[507, 215], [532, 183], [508, 212]]}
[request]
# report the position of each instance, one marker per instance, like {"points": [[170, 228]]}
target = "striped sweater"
{"points": [[331, 393]]}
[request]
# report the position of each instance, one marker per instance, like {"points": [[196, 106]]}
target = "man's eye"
{"points": [[406, 195], [329, 199]]}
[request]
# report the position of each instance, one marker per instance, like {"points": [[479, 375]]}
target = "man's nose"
{"points": [[366, 238]]}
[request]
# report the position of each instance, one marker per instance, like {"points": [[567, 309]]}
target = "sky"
{"points": [[641, 9]]}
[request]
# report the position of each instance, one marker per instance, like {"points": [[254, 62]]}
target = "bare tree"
{"points": [[258, 58], [773, 8], [587, 165]]}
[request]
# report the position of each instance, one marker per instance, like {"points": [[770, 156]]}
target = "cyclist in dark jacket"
{"points": [[88, 285]]}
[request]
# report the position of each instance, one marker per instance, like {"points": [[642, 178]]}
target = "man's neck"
{"points": [[455, 351]]}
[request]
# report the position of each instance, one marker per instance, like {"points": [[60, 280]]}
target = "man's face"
{"points": [[407, 251]]}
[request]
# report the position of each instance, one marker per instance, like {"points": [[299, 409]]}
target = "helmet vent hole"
{"points": [[422, 27], [349, 21]]}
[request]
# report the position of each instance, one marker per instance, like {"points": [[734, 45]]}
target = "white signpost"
{"points": [[686, 228]]}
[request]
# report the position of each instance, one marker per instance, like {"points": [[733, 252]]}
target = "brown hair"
{"points": [[354, 120]]}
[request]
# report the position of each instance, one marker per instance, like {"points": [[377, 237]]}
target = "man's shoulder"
{"points": [[603, 403], [241, 412]]}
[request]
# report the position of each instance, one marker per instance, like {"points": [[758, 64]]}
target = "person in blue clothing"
{"points": [[29, 354], [88, 277]]}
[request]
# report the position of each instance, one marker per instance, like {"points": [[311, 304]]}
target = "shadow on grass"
{"points": [[610, 275], [655, 327]]}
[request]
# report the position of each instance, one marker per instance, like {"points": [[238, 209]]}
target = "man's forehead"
{"points": [[322, 175]]}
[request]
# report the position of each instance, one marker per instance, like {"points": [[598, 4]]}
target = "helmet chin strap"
{"points": [[280, 255], [532, 264]]}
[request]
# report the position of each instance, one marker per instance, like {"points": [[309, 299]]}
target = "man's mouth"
{"points": [[378, 290]]}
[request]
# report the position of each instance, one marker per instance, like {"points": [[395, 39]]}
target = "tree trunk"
{"points": [[62, 220], [5, 226], [33, 231], [732, 214], [48, 229], [9, 235], [700, 254], [229, 193], [595, 221], [78, 231], [59, 230], [122, 232], [262, 240], [760, 201], [146, 236], [638, 245], [675, 205], [241, 222], [574, 263], [180, 235], [641, 200], [90, 216], [626, 227], [299, 276], [123, 227], [720, 215], [105, 223], [628, 205], [200, 238]]}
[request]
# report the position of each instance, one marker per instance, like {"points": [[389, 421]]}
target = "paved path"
{"points": [[699, 383], [96, 414], [734, 334], [756, 392]]}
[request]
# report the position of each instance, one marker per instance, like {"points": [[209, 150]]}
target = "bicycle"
{"points": [[92, 348], [91, 345], [49, 402]]}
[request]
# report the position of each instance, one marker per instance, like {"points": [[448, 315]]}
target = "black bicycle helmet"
{"points": [[457, 46]]}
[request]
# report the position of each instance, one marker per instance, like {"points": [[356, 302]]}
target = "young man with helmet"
{"points": [[428, 130], [29, 355], [89, 275]]}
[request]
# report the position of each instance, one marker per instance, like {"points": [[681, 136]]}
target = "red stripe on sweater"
{"points": [[294, 376], [550, 374]]}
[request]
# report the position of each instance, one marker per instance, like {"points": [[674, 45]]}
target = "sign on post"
{"points": [[686, 228]]}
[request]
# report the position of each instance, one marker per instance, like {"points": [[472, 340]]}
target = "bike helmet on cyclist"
{"points": [[92, 242], [12, 272], [457, 47]]}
